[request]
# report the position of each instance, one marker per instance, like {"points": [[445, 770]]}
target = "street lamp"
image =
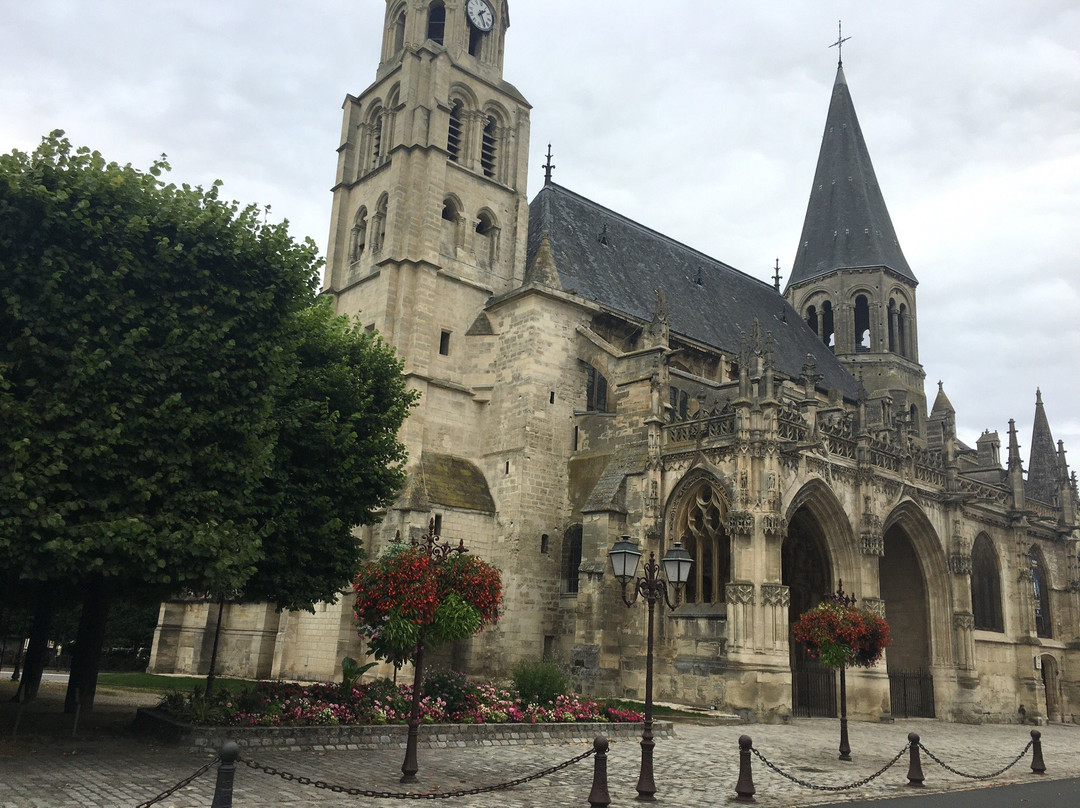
{"points": [[624, 556]]}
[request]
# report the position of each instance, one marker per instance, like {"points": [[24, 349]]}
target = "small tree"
{"points": [[840, 635], [407, 601], [418, 596]]}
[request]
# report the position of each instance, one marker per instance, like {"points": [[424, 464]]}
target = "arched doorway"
{"points": [[806, 570], [904, 590], [1051, 687]]}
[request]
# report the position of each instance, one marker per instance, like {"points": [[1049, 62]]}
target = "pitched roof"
{"points": [[847, 224], [618, 263], [1043, 466]]}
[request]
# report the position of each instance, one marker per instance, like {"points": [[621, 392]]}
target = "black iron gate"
{"points": [[813, 691], [911, 694]]}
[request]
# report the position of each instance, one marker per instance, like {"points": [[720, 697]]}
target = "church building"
{"points": [[584, 377]]}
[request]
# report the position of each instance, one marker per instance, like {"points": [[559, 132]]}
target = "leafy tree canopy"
{"points": [[336, 461], [145, 335], [407, 601]]}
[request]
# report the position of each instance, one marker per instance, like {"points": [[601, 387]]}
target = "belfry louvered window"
{"points": [[453, 136], [488, 148]]}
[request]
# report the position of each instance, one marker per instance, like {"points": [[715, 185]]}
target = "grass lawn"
{"points": [[163, 684]]}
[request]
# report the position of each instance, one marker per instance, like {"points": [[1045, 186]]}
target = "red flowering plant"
{"points": [[841, 635], [406, 600]]}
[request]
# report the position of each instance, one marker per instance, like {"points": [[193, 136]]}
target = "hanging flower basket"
{"points": [[839, 635]]}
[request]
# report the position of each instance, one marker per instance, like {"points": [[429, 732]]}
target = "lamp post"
{"points": [[436, 551], [624, 556], [846, 601]]}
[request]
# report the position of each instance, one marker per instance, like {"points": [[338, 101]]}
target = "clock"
{"points": [[481, 15]]}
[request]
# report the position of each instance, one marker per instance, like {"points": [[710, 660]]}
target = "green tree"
{"points": [[160, 361], [337, 460]]}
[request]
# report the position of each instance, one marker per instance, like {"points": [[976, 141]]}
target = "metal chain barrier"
{"points": [[187, 780], [815, 787], [407, 795], [1002, 770]]}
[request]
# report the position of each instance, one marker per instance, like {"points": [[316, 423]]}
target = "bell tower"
{"points": [[850, 280], [430, 213]]}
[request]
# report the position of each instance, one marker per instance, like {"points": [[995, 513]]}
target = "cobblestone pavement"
{"points": [[697, 768]]}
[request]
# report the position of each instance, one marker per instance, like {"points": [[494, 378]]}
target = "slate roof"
{"points": [[618, 263], [442, 479], [847, 224]]}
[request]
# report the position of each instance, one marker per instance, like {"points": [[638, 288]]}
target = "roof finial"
{"points": [[839, 43], [776, 275], [547, 167]]}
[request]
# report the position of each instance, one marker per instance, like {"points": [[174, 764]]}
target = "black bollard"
{"points": [[228, 755], [745, 787], [599, 795], [914, 771], [1037, 765]]}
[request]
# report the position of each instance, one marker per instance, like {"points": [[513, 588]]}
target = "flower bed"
{"points": [[448, 699]]}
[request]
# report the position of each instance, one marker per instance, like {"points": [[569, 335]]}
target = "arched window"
{"points": [[700, 528], [901, 331], [451, 220], [892, 326], [862, 324], [453, 135], [487, 242], [812, 318], [986, 586], [375, 129], [378, 224], [399, 32], [827, 328], [596, 390], [359, 235], [436, 27], [571, 559], [488, 148], [1041, 594]]}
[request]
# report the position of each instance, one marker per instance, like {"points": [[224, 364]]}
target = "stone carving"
{"points": [[739, 593], [775, 595], [875, 606], [774, 525], [739, 523], [960, 564], [873, 544], [964, 621]]}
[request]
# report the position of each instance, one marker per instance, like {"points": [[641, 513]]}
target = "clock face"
{"points": [[480, 14]]}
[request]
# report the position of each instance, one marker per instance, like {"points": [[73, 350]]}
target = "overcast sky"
{"points": [[699, 118]]}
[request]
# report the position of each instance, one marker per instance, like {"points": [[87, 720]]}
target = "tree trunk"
{"points": [[213, 653], [34, 660], [82, 681]]}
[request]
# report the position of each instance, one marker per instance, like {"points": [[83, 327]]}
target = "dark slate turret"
{"points": [[1044, 467], [847, 225]]}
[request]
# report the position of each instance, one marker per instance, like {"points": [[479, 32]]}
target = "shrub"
{"points": [[453, 688], [539, 682]]}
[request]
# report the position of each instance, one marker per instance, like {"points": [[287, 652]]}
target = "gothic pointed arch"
{"points": [[697, 511], [914, 580], [986, 585], [816, 497], [1040, 592]]}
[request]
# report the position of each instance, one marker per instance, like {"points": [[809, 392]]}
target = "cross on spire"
{"points": [[839, 43], [548, 166]]}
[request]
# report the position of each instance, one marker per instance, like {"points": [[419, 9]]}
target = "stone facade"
{"points": [[583, 377]]}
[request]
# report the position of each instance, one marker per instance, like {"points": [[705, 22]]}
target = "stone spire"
{"points": [[847, 224], [942, 404], [1043, 470]]}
